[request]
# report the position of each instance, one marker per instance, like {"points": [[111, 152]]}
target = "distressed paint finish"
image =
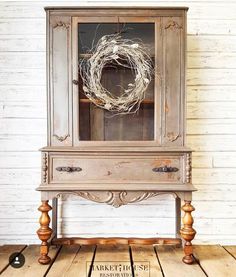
{"points": [[210, 130], [173, 80], [59, 81], [130, 170]]}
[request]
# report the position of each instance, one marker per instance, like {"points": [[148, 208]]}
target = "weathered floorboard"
{"points": [[74, 260], [81, 264], [5, 252], [231, 249], [114, 256], [145, 256], [64, 260], [215, 260], [170, 258], [31, 266]]}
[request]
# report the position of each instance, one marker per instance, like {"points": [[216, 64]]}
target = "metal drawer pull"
{"points": [[68, 169], [165, 169]]}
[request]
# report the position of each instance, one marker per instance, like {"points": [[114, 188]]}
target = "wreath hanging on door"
{"points": [[122, 52]]}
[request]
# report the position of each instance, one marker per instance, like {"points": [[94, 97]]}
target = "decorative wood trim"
{"points": [[188, 168], [172, 136], [61, 138], [61, 24], [48, 194], [173, 25], [45, 167], [117, 198]]}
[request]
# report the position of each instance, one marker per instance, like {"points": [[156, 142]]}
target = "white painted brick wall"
{"points": [[211, 132]]}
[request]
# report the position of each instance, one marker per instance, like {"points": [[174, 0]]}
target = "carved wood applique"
{"points": [[188, 168], [173, 24], [118, 198], [61, 138], [61, 25], [44, 167], [172, 136]]}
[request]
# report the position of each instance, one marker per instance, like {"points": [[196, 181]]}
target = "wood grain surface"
{"points": [[143, 261]]}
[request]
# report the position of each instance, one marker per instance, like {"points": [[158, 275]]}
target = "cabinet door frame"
{"points": [[173, 85], [157, 83], [59, 81]]}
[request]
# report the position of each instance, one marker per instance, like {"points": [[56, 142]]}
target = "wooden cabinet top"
{"points": [[113, 8]]}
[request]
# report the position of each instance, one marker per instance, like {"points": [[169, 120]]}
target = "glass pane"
{"points": [[99, 124]]}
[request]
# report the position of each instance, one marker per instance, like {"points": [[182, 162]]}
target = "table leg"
{"points": [[44, 232], [187, 232]]}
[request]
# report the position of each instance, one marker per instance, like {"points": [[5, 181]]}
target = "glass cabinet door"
{"points": [[98, 124]]}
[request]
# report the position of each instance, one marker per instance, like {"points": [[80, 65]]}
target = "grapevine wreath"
{"points": [[123, 52]]}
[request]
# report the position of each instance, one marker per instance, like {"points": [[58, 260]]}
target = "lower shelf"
{"points": [[116, 240]]}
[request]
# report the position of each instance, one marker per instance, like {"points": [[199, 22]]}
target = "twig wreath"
{"points": [[125, 53]]}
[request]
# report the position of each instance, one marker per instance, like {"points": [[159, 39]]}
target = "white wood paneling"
{"points": [[19, 43], [211, 129]]}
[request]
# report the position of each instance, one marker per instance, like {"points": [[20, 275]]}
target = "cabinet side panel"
{"points": [[60, 87], [173, 85]]}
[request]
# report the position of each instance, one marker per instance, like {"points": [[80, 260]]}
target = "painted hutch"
{"points": [[117, 159]]}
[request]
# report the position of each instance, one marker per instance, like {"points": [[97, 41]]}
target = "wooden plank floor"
{"points": [[119, 261]]}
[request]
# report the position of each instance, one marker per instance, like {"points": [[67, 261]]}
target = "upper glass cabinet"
{"points": [[80, 114], [97, 123]]}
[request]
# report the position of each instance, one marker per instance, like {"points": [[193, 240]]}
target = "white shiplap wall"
{"points": [[211, 132]]}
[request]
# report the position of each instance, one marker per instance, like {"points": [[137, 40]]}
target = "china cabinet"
{"points": [[116, 158]]}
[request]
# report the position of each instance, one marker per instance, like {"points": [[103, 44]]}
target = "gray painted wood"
{"points": [[60, 82], [173, 86]]}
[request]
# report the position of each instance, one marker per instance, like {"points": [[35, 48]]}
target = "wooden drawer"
{"points": [[116, 169]]}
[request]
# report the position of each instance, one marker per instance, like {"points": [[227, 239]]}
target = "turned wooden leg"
{"points": [[44, 232], [187, 232]]}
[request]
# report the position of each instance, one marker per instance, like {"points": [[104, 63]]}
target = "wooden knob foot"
{"points": [[44, 259], [188, 259]]}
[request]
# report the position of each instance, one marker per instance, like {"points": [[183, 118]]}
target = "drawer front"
{"points": [[132, 169]]}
